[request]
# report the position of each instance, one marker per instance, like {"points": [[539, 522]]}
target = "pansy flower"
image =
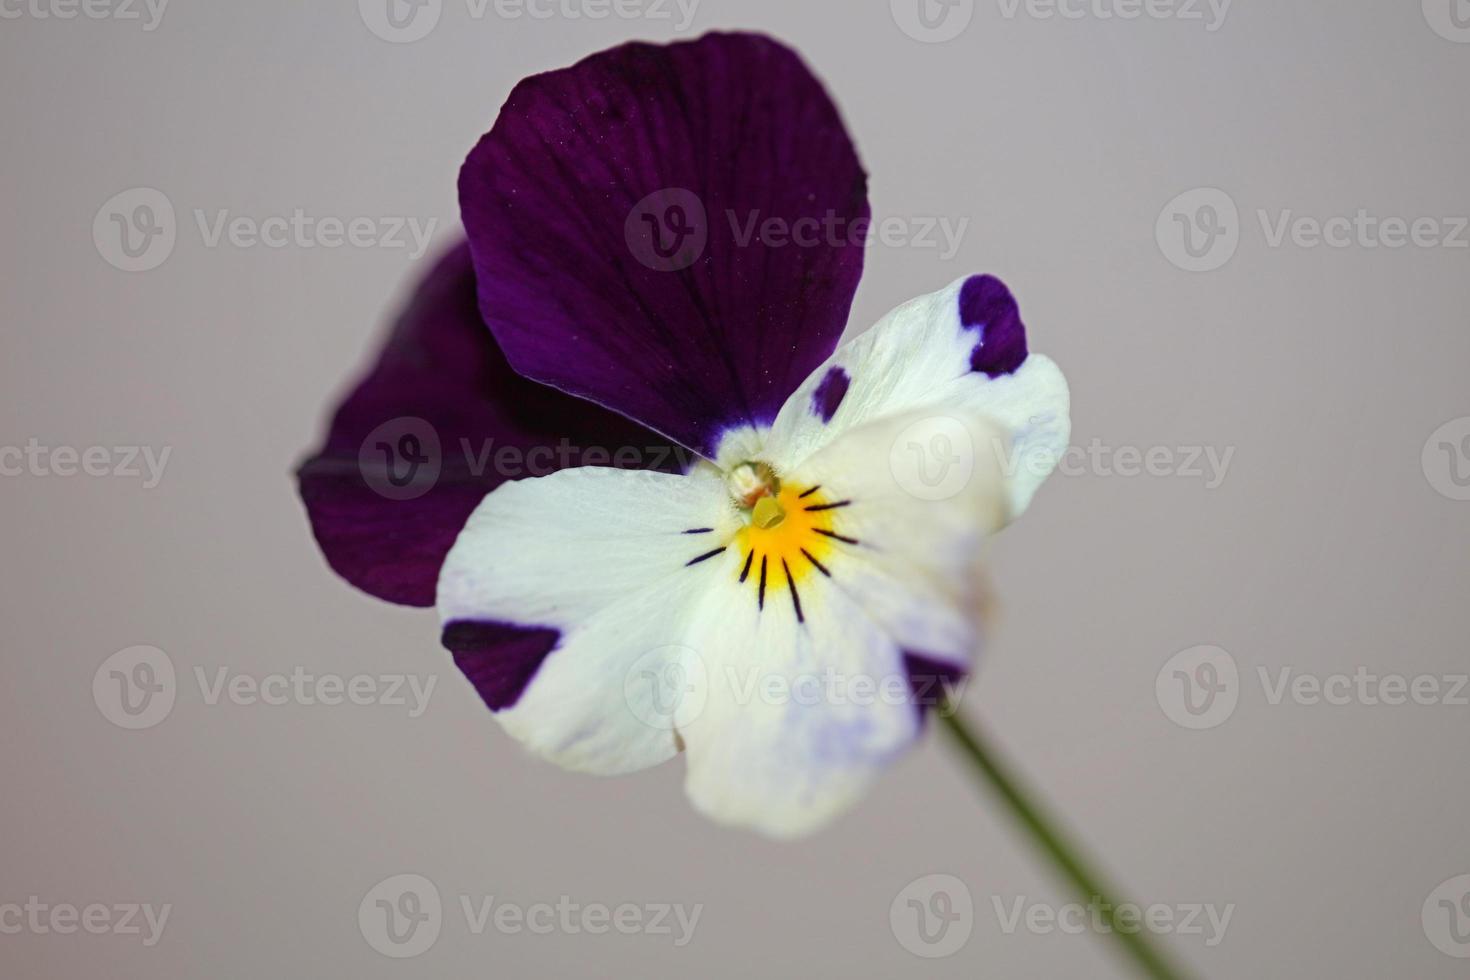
{"points": [[663, 246]]}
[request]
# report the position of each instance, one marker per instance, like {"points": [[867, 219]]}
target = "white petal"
{"points": [[896, 576], [920, 355], [601, 557], [794, 721]]}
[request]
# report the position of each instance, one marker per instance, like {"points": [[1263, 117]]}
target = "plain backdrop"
{"points": [[1328, 548]]}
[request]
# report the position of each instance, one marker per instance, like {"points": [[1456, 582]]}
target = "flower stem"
{"points": [[1064, 854]]}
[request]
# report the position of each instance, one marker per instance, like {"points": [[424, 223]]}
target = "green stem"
{"points": [[1063, 853]]}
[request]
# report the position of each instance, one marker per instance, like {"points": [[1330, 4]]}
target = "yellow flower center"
{"points": [[791, 535]]}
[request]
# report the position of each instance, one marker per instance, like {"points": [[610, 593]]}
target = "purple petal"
{"points": [[440, 421], [987, 305], [930, 680], [673, 232], [829, 394], [499, 658]]}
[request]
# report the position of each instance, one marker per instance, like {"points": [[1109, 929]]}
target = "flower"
{"points": [[757, 601]]}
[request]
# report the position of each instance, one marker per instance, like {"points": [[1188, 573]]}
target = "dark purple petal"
{"points": [[499, 658], [930, 680], [440, 421], [669, 231], [987, 305], [829, 394]]}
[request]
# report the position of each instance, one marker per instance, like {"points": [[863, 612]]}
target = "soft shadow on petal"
{"points": [[442, 382], [669, 231], [963, 348], [566, 601]]}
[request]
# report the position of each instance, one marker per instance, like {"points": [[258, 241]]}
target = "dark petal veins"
{"points": [[829, 394], [987, 305], [499, 658], [615, 212], [441, 366]]}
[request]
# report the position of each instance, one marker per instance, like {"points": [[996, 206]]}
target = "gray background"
{"points": [[1327, 547]]}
